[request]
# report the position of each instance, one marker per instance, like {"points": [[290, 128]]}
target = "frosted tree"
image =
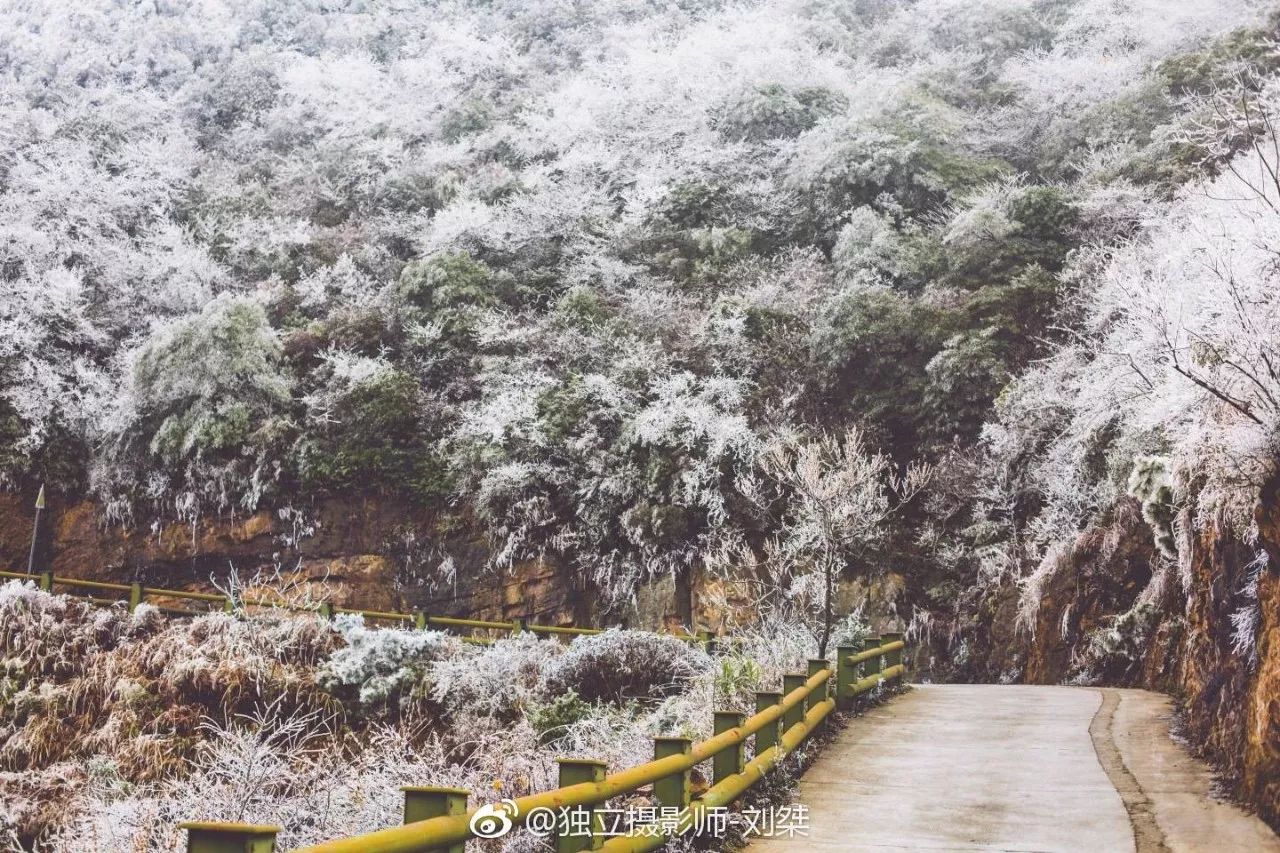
{"points": [[836, 498], [206, 399]]}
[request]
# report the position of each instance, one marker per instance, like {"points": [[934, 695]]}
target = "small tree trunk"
{"points": [[828, 570]]}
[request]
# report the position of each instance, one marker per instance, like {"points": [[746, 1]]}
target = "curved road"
{"points": [[994, 767]]}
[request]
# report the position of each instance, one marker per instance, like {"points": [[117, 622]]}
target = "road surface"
{"points": [[995, 767]]}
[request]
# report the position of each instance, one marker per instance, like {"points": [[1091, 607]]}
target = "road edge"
{"points": [[1148, 837]]}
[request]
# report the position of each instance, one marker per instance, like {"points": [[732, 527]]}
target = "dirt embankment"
{"points": [[1197, 633]]}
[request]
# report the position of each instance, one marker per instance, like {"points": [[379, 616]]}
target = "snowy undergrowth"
{"points": [[313, 726]]}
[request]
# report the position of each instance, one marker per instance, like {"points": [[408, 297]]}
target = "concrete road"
{"points": [[993, 767]]}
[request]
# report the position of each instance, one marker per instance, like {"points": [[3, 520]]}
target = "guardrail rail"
{"points": [[133, 594], [437, 818]]}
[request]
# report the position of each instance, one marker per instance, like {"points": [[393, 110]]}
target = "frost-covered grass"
{"points": [[89, 692], [118, 726]]}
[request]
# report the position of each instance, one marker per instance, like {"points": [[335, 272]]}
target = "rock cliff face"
{"points": [[379, 555], [1211, 645], [363, 553]]}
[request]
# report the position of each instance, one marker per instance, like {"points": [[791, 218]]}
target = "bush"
{"points": [[737, 675], [382, 668], [1006, 228], [1243, 53], [582, 307], [773, 112], [446, 282], [872, 348], [203, 386], [1114, 654], [1151, 483], [552, 719], [963, 380], [206, 418], [370, 436], [619, 665], [499, 682], [850, 631]]}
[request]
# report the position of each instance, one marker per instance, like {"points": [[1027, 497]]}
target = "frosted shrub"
{"points": [[52, 636], [381, 667], [1246, 620], [850, 631], [771, 112], [1116, 651], [1151, 484], [618, 665], [621, 737], [496, 682], [777, 646], [867, 249], [550, 720], [205, 401], [274, 768]]}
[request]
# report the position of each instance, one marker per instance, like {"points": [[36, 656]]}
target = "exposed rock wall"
{"points": [[1101, 620], [381, 555], [362, 553], [365, 553]]}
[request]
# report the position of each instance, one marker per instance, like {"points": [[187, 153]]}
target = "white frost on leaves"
{"points": [[1246, 620], [1177, 362]]}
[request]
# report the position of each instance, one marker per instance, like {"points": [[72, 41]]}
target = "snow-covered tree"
{"points": [[837, 498]]}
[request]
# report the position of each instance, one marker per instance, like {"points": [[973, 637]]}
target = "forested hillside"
{"points": [[964, 308], [568, 270]]}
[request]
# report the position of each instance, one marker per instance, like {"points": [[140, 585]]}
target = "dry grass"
{"points": [[119, 726], [84, 684]]}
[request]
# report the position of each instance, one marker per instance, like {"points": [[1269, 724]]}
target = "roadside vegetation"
{"points": [[115, 727]]}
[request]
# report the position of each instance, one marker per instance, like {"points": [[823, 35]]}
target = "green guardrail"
{"points": [[137, 594], [437, 819]]}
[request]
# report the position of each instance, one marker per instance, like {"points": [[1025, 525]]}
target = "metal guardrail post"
{"points": [[585, 825], [729, 761], [708, 641], [420, 620], [796, 713], [423, 802], [228, 604], [518, 625], [819, 693], [211, 837], [768, 734], [46, 581], [136, 594], [846, 675], [894, 657], [875, 665], [677, 789], [325, 610]]}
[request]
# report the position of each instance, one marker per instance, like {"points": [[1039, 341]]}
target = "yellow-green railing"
{"points": [[137, 593], [437, 819]]}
